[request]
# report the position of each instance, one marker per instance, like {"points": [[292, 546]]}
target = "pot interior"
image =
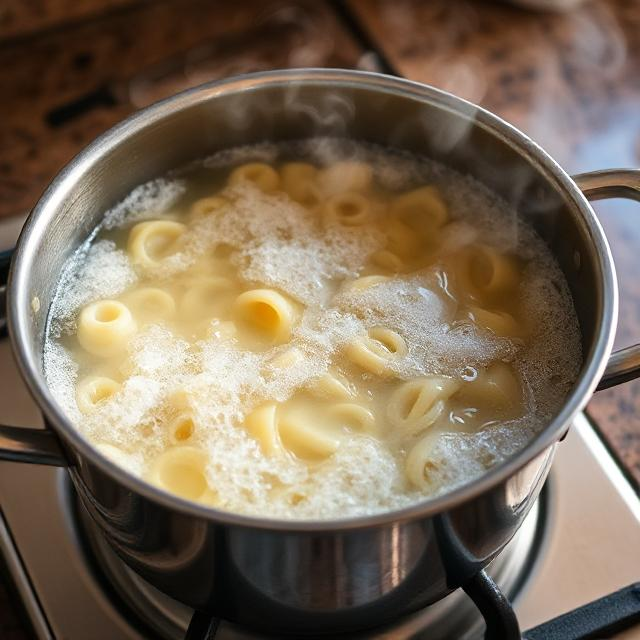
{"points": [[276, 107]]}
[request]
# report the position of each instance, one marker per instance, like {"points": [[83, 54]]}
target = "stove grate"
{"points": [[598, 619]]}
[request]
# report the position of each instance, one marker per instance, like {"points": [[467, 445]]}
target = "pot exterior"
{"points": [[288, 582], [316, 576]]}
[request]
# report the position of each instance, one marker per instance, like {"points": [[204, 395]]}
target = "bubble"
{"points": [[96, 271], [146, 201], [269, 240]]}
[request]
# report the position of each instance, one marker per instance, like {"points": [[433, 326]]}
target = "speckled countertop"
{"points": [[571, 81]]}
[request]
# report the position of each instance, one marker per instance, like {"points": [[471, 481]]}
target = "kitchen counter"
{"points": [[571, 81]]}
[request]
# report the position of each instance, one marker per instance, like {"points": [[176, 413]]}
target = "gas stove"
{"points": [[580, 542]]}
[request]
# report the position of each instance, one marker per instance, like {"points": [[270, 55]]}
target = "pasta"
{"points": [[267, 312], [496, 388], [305, 439], [388, 260], [181, 470], [499, 322], [94, 390], [484, 274], [423, 210], [348, 209], [262, 175], [151, 242], [262, 425], [421, 467], [333, 385], [105, 327], [207, 207], [416, 404], [365, 282], [377, 351], [299, 182], [353, 416], [181, 428], [310, 334], [286, 359], [402, 240]]}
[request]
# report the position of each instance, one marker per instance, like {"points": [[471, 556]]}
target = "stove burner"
{"points": [[456, 616]]}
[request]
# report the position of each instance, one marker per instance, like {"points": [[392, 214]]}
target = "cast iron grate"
{"points": [[598, 619]]}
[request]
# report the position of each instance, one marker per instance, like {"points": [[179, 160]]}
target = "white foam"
{"points": [[98, 270], [157, 353], [149, 200], [62, 374], [411, 307], [264, 152], [280, 244], [125, 420]]}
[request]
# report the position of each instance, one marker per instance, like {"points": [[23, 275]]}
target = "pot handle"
{"points": [[20, 444], [624, 364]]}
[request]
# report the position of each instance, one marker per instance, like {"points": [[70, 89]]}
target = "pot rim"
{"points": [[36, 227]]}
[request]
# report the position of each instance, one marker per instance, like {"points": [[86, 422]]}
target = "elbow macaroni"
{"points": [[423, 210], [286, 359], [353, 416], [181, 428], [365, 282], [402, 240], [182, 470], [262, 425], [333, 385], [94, 390], [268, 313], [313, 398], [207, 207], [153, 241], [105, 328], [377, 351], [305, 439], [262, 175], [484, 274], [498, 322], [389, 261], [299, 182], [421, 467], [348, 209], [417, 404]]}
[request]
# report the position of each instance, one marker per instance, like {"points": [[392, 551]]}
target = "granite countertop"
{"points": [[571, 81]]}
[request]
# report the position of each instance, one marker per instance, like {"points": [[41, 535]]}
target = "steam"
{"points": [[549, 74]]}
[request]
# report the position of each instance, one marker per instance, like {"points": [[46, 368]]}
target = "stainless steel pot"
{"points": [[296, 576]]}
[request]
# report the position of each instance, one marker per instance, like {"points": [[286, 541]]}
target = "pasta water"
{"points": [[311, 330]]}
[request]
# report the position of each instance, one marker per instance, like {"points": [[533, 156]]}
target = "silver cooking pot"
{"points": [[286, 576]]}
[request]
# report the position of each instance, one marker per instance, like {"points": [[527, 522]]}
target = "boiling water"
{"points": [[256, 366]]}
